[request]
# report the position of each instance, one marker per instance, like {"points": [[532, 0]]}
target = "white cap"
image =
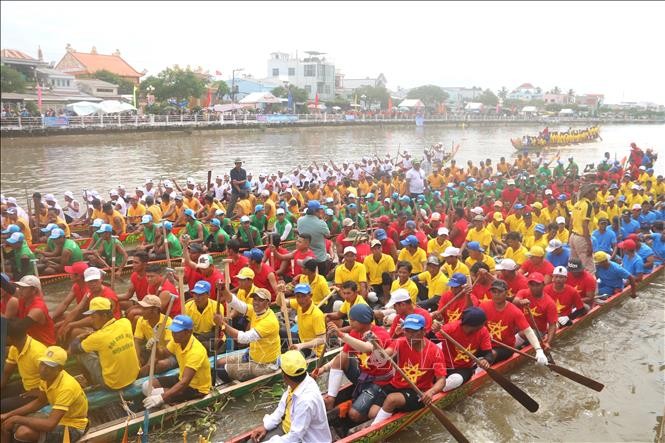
{"points": [[49, 198], [69, 194], [507, 264], [435, 216], [399, 295], [347, 222], [113, 193], [442, 231], [244, 219], [190, 181], [92, 273], [560, 270], [281, 211], [560, 219], [636, 187], [265, 193], [548, 192], [510, 181], [555, 243], [350, 249], [477, 210], [148, 180], [637, 206], [451, 252]]}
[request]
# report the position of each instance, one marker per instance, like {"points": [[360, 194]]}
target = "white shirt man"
{"points": [[416, 180]]}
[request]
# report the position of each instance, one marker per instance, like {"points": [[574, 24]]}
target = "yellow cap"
{"points": [[537, 251], [498, 216], [600, 257], [537, 205], [98, 304], [293, 363], [54, 356], [245, 273]]}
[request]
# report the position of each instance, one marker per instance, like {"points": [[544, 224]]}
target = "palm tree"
{"points": [[503, 93], [556, 90]]}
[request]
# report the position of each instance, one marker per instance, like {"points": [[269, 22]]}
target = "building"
{"points": [[82, 64], [458, 96], [345, 87], [98, 88], [590, 100], [23, 63], [558, 99], [313, 73], [246, 85], [526, 92]]}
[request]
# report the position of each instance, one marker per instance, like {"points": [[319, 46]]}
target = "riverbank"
{"points": [[94, 125]]}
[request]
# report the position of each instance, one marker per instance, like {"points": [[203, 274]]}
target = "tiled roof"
{"points": [[526, 86], [16, 54], [111, 63]]}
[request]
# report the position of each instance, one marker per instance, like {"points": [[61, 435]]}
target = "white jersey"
{"points": [[75, 215]]}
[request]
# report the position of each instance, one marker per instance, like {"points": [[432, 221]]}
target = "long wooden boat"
{"points": [[113, 431], [517, 144], [367, 433]]}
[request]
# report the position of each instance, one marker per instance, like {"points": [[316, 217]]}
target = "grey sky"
{"points": [[592, 47]]}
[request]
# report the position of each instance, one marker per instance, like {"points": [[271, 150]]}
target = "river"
{"points": [[624, 348]]}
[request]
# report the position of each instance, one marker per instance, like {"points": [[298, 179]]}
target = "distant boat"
{"points": [[420, 120], [539, 143]]}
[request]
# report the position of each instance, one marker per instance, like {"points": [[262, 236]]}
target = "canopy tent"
{"points": [[529, 110], [321, 106], [473, 106], [566, 111], [115, 106], [260, 97], [226, 107], [411, 103], [83, 108]]}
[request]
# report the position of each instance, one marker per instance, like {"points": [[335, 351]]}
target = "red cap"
{"points": [[76, 268], [383, 219], [628, 245], [634, 237], [535, 277]]}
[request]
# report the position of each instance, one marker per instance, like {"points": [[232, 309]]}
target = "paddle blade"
{"points": [[445, 421], [522, 397], [579, 378]]}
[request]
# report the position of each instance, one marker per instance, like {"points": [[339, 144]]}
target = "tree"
{"points": [[299, 94], [12, 80], [373, 94], [175, 83], [222, 89], [503, 93], [556, 90], [488, 98], [124, 86], [571, 93], [431, 95]]}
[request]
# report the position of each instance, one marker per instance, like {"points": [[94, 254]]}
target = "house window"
{"points": [[106, 90], [275, 72], [308, 89], [310, 71], [68, 82], [292, 72]]}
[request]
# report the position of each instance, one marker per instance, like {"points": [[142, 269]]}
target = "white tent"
{"points": [[226, 107], [83, 108], [260, 97], [529, 110], [411, 103], [115, 106], [566, 111], [473, 107]]}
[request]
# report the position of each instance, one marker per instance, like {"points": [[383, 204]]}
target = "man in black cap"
{"points": [[238, 183], [582, 280]]}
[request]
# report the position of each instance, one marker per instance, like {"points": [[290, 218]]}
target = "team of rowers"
{"points": [[396, 243], [547, 137]]}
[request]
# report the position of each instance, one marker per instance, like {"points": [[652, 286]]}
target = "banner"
{"points": [[277, 118], [349, 117], [56, 122]]}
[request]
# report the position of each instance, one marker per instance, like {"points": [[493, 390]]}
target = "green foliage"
{"points": [[31, 107], [124, 86], [299, 94], [175, 83], [374, 94], [488, 98], [12, 80], [503, 93], [431, 95], [222, 88], [338, 101]]}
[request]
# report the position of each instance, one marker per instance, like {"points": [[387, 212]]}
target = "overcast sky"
{"points": [[612, 48]]}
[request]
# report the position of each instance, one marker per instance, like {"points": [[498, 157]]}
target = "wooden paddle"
{"points": [[113, 237], [438, 413], [166, 246], [285, 314], [180, 272], [227, 285], [579, 378], [218, 292], [522, 397], [209, 181], [325, 299]]}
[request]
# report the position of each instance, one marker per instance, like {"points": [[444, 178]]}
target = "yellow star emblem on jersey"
{"points": [[461, 356], [412, 371], [362, 357], [496, 328], [534, 311], [453, 315], [559, 306]]}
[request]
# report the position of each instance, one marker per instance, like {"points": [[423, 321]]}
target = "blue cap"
{"points": [[562, 197], [473, 316], [201, 287], [369, 195], [11, 229], [351, 206], [254, 254], [380, 234], [414, 322], [56, 233], [614, 186], [395, 195], [421, 197], [471, 180], [105, 228], [181, 323], [258, 208], [540, 228], [410, 224], [302, 288], [469, 188], [16, 237], [462, 184], [457, 279], [410, 240], [405, 198], [96, 223], [167, 225], [518, 206], [437, 193], [146, 219], [330, 212], [48, 228], [622, 198], [215, 222], [361, 313], [313, 205], [190, 213], [474, 246]]}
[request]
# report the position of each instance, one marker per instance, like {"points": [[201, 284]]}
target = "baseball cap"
{"points": [[473, 316], [575, 265], [499, 284], [168, 225], [216, 222], [435, 216], [433, 260], [410, 224], [105, 228], [352, 235], [560, 270], [507, 264], [313, 205], [536, 251], [498, 203], [374, 243], [383, 219], [254, 254], [350, 249], [245, 273], [201, 287], [442, 231], [97, 223], [457, 279], [204, 261], [48, 228], [554, 244], [98, 304], [474, 246], [76, 268], [560, 220], [151, 301], [537, 205], [600, 256], [562, 197], [92, 273], [146, 219], [540, 228], [258, 208], [548, 192], [56, 233], [414, 322], [478, 218], [518, 206], [293, 363], [54, 356], [498, 216], [637, 207], [535, 277], [219, 212], [410, 240], [451, 251], [29, 281], [628, 245], [16, 237], [347, 222], [261, 293], [16, 228], [397, 296], [181, 323], [190, 213], [281, 211], [380, 234], [302, 288]]}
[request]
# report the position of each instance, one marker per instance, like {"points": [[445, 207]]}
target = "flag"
{"points": [[135, 89], [209, 99], [390, 104], [289, 105], [39, 97], [316, 101], [218, 72]]}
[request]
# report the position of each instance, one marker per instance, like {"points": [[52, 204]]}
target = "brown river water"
{"points": [[624, 348]]}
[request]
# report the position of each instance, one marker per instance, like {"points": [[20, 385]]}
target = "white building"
{"points": [[526, 92], [460, 95], [313, 73]]}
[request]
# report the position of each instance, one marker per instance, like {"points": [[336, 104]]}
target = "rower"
{"points": [[77, 291], [300, 411], [351, 297], [504, 321], [104, 252], [311, 323], [476, 253], [218, 238], [515, 251], [644, 251], [403, 280], [401, 301], [350, 270], [482, 281], [66, 252], [537, 263], [630, 260], [264, 275], [175, 248], [557, 253], [359, 362], [33, 312], [150, 232], [316, 282], [453, 264], [138, 285], [22, 224], [449, 310], [8, 299], [301, 253], [114, 218], [584, 282], [248, 235], [438, 244], [68, 418], [262, 337], [107, 354], [423, 361], [23, 256], [413, 253], [604, 239], [196, 230], [434, 281], [508, 273], [201, 309], [540, 306], [194, 379], [581, 221], [568, 302], [163, 286], [24, 352], [144, 336]]}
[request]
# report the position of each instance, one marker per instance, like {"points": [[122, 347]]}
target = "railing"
{"points": [[207, 120]]}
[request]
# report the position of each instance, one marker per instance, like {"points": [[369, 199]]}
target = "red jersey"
{"points": [[109, 293], [387, 246], [474, 342], [168, 286], [373, 364], [215, 277], [140, 284], [543, 309], [421, 367], [422, 239], [300, 257], [584, 284], [363, 250], [261, 279], [340, 240], [516, 284], [276, 263], [502, 325], [510, 196], [398, 320], [43, 333], [234, 267], [80, 290], [462, 227], [454, 311], [565, 299], [545, 267], [482, 292]]}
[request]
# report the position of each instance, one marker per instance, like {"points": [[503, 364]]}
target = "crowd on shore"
{"points": [[411, 256]]}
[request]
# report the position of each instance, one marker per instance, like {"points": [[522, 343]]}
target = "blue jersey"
{"points": [[611, 279], [561, 259], [650, 217], [658, 247], [630, 227], [603, 241], [645, 252], [634, 264]]}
